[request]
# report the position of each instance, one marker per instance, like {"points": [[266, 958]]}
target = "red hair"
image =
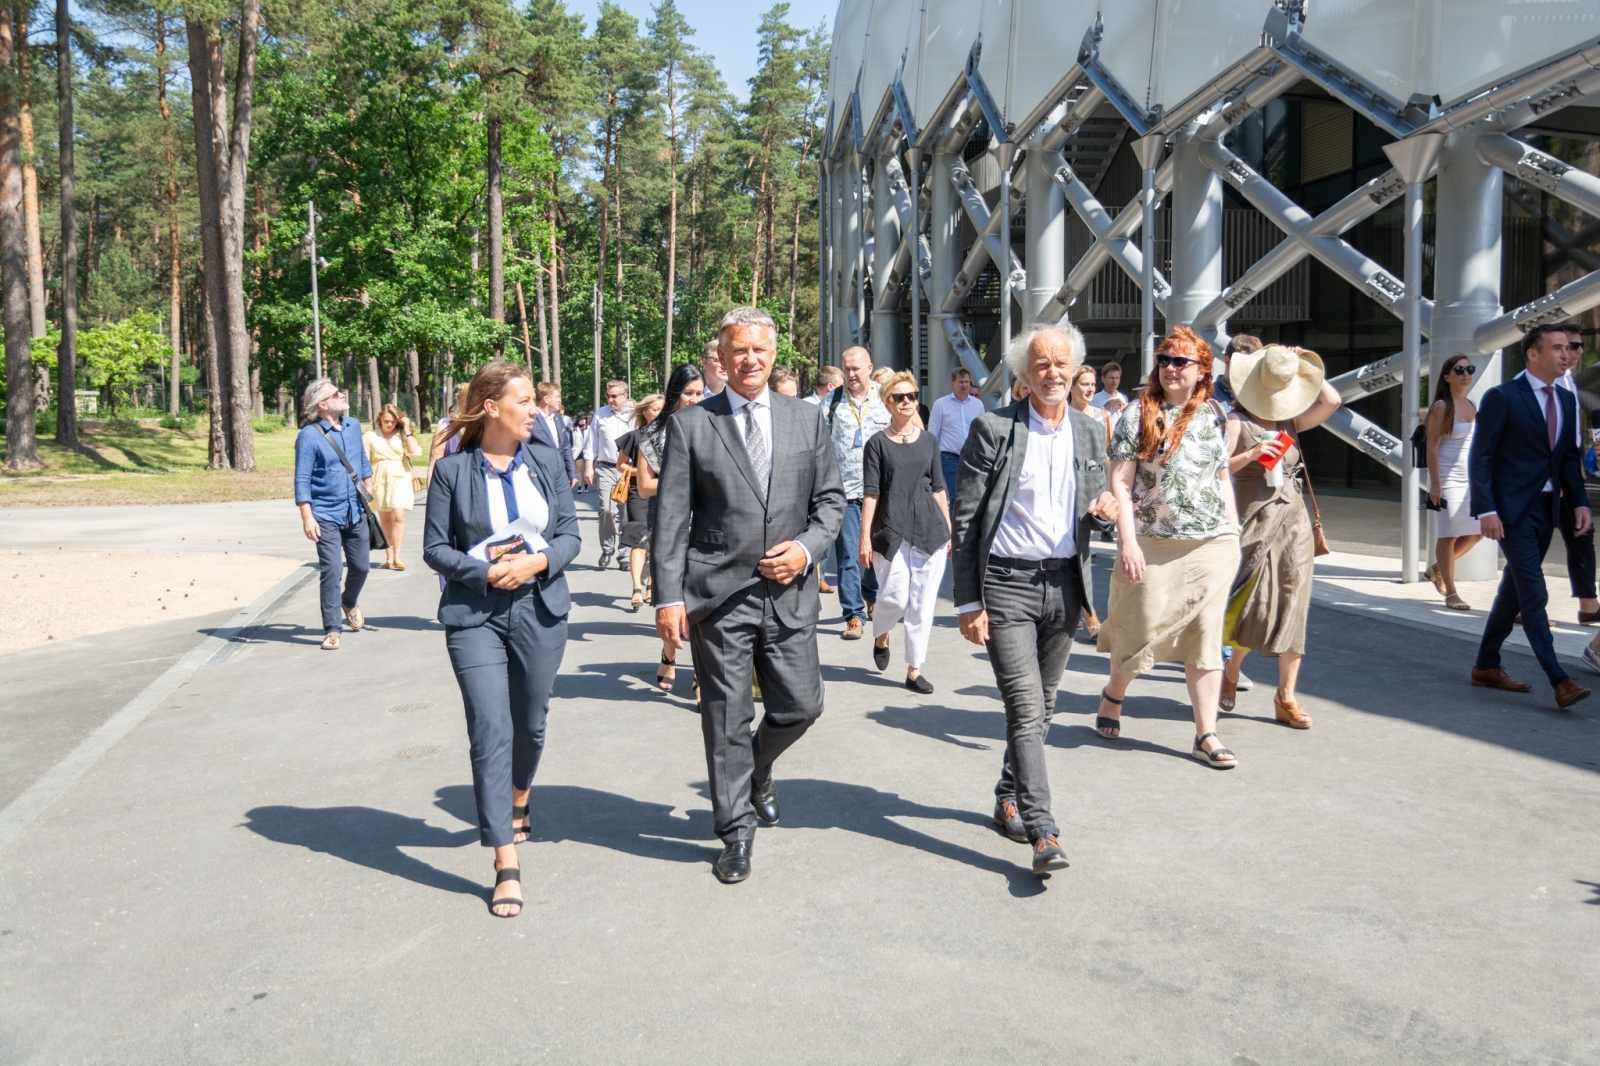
{"points": [[1185, 342]]}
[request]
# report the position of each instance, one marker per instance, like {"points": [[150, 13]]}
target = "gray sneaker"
{"points": [[1245, 684], [1008, 821]]}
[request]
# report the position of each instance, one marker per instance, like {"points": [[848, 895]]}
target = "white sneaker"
{"points": [[1591, 659], [1245, 684]]}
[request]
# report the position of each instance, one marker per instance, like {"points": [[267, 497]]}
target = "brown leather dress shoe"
{"points": [[1569, 692], [1588, 618], [1498, 678], [1291, 713]]}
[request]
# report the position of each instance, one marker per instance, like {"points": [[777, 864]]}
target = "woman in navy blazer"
{"points": [[505, 622]]}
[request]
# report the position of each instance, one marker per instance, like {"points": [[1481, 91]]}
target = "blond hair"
{"points": [[895, 377]]}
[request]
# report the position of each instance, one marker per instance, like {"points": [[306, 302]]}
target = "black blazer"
{"points": [[991, 465], [1511, 457], [541, 433], [458, 518]]}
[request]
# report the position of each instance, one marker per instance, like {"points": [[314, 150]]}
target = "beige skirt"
{"points": [[1175, 614]]}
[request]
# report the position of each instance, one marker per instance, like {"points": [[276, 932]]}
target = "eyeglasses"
{"points": [[1464, 369], [1177, 362], [902, 397]]}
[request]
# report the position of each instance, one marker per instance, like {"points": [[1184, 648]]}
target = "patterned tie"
{"points": [[756, 446], [1550, 421]]}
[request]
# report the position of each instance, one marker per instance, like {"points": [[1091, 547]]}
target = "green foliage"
{"points": [[117, 354]]}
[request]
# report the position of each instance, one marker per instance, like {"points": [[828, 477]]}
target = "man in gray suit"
{"points": [[732, 548], [1033, 477]]}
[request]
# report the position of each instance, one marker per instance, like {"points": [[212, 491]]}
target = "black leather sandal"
{"points": [[525, 830], [1101, 724], [663, 680], [510, 873], [1211, 758]]}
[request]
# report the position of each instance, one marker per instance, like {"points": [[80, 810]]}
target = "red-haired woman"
{"points": [[500, 530], [1178, 539]]}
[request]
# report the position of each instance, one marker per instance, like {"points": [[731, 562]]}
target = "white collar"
{"points": [[1037, 423], [764, 399]]}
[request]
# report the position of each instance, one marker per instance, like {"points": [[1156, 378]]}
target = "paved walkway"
{"points": [[278, 863]]}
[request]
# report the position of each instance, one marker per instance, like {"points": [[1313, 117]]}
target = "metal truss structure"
{"points": [[919, 193]]}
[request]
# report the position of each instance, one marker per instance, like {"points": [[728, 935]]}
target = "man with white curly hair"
{"points": [[1033, 477]]}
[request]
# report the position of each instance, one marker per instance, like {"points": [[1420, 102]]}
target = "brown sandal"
{"points": [[1230, 694], [1291, 713]]}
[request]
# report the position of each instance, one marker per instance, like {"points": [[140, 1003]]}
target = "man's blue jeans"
{"points": [[351, 541], [950, 466], [857, 588]]}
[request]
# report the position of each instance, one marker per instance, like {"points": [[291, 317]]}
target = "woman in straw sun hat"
{"points": [[1281, 392]]}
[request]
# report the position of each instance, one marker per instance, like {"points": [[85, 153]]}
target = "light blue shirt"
{"points": [[320, 478]]}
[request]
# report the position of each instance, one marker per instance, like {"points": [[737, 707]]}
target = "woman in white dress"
{"points": [[1451, 421]]}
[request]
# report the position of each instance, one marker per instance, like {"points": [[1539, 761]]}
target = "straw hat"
{"points": [[1276, 384]]}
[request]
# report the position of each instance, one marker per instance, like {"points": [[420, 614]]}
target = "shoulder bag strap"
{"points": [[361, 490]]}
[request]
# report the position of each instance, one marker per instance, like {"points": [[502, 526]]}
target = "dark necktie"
{"points": [[1551, 423], [756, 445], [507, 486]]}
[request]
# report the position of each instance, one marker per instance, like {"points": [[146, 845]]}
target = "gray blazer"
{"points": [[458, 518], [991, 463], [712, 528]]}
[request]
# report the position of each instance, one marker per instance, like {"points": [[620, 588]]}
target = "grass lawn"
{"points": [[150, 465]]}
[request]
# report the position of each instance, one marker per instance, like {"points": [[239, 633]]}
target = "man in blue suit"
{"points": [[550, 426], [1524, 458]]}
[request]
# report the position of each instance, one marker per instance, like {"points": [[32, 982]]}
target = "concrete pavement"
{"points": [[280, 865]]}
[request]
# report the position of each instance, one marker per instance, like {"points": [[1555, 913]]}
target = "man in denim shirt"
{"points": [[330, 507], [855, 414]]}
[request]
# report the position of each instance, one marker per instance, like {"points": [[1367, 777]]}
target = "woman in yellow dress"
{"points": [[390, 449]]}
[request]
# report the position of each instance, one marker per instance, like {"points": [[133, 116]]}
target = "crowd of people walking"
{"points": [[727, 496]]}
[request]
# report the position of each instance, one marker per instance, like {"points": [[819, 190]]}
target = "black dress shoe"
{"points": [[919, 684], [605, 560], [764, 797], [733, 865], [880, 656]]}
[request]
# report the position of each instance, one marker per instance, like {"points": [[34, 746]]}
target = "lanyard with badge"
{"points": [[857, 416]]}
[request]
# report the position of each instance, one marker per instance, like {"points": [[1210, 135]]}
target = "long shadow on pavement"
{"points": [[371, 838], [951, 724]]}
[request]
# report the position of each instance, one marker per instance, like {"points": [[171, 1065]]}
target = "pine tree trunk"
{"points": [[208, 175], [244, 448], [497, 238], [555, 299], [522, 313], [374, 392], [67, 353], [544, 331], [175, 315], [22, 451], [672, 231], [794, 264], [30, 190]]}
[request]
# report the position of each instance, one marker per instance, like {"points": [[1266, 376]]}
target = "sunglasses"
{"points": [[902, 397], [1464, 369], [1178, 362]]}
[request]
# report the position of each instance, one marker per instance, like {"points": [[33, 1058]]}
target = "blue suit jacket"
{"points": [[541, 433], [458, 518], [1511, 456]]}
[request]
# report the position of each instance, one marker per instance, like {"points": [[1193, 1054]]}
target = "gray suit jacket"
{"points": [[991, 463], [458, 518], [712, 528]]}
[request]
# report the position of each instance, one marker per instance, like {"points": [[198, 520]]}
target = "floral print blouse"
{"points": [[1181, 498]]}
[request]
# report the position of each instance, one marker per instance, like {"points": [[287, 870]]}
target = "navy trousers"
{"points": [[351, 540], [506, 669], [1522, 588]]}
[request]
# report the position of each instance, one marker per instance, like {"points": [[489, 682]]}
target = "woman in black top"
{"points": [[905, 528]]}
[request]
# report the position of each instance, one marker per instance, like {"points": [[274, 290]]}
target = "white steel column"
{"points": [[1196, 235], [1413, 158], [885, 244], [1045, 233], [1007, 153], [914, 165], [943, 214], [1466, 285], [1148, 150]]}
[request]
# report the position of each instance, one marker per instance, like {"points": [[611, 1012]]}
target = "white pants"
{"points": [[908, 588]]}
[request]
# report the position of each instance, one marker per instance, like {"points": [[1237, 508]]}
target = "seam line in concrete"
{"points": [[21, 812]]}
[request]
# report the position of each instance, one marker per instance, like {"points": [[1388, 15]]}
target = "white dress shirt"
{"points": [[1570, 383], [1103, 397], [552, 427], [1041, 522], [607, 428], [762, 414], [951, 418], [530, 502]]}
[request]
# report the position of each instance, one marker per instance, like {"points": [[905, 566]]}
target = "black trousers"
{"points": [[740, 639], [1580, 554]]}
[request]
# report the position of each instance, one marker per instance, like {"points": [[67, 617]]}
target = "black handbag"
{"points": [[376, 541]]}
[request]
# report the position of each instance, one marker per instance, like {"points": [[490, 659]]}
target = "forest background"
{"points": [[489, 179]]}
